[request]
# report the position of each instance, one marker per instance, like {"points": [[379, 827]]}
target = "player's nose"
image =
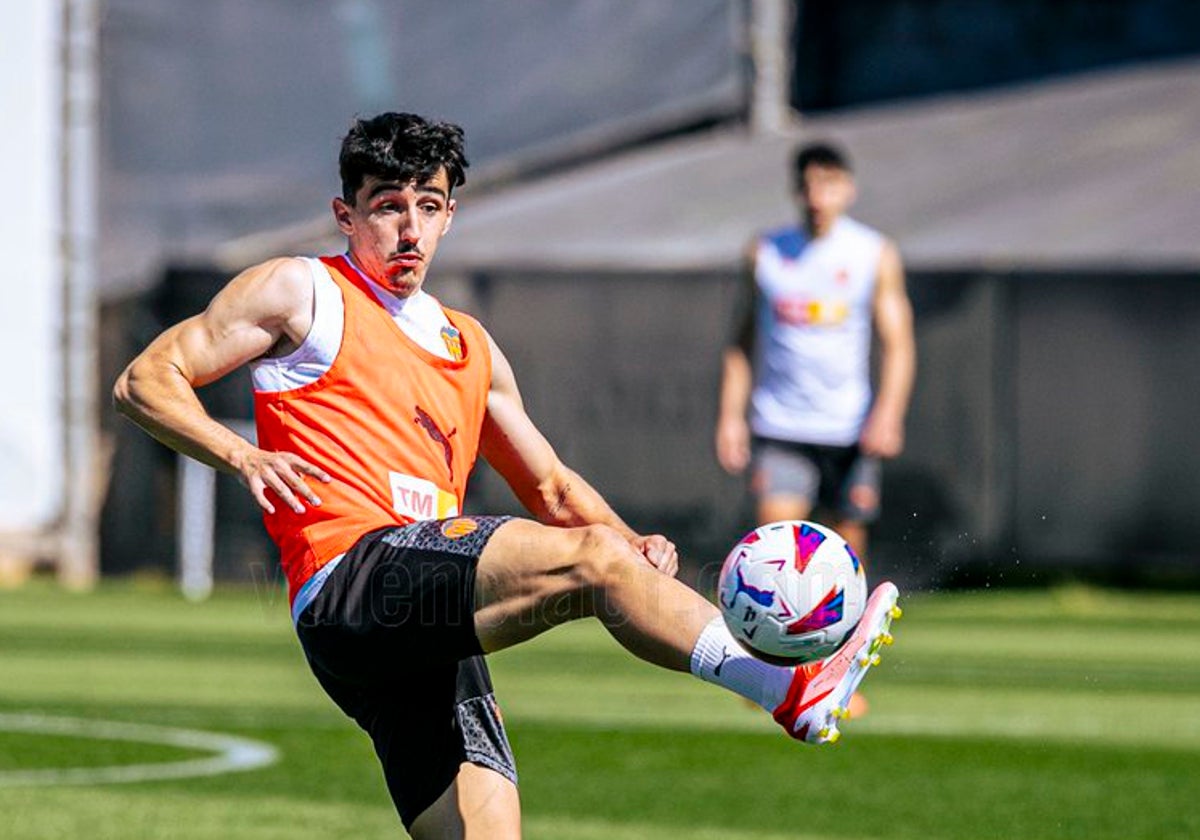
{"points": [[410, 228]]}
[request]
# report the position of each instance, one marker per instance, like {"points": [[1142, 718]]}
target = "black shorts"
{"points": [[824, 476], [391, 638]]}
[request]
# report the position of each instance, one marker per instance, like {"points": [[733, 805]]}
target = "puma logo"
{"points": [[431, 428], [721, 664]]}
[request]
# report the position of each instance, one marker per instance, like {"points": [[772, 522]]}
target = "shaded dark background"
{"points": [[873, 51]]}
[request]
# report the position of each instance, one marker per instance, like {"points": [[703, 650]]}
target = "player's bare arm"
{"points": [[267, 307], [733, 430], [883, 433], [550, 490]]}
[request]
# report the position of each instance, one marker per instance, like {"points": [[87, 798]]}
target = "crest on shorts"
{"points": [[455, 529]]}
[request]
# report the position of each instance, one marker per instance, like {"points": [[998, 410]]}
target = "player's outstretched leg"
{"points": [[531, 577], [819, 695]]}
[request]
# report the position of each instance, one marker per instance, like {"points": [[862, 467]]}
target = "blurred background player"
{"points": [[796, 400]]}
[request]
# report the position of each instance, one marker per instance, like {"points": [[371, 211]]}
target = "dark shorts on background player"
{"points": [[391, 638], [829, 477]]}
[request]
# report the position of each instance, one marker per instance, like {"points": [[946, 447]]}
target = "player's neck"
{"points": [[818, 228]]}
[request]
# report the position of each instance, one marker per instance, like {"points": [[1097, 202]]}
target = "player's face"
{"points": [[825, 193], [394, 229]]}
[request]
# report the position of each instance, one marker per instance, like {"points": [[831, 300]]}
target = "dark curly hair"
{"points": [[400, 147], [824, 154]]}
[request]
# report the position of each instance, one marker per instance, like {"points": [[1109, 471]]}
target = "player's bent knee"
{"points": [[601, 556]]}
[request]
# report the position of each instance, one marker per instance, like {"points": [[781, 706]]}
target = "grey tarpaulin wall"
{"points": [[1052, 429], [223, 118]]}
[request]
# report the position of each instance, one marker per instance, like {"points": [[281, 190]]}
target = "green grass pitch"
{"points": [[1071, 713]]}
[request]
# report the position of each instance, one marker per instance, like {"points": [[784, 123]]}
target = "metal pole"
{"points": [[196, 518], [771, 52], [78, 562], [196, 523]]}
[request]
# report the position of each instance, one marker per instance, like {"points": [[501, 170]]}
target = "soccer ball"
{"points": [[792, 591]]}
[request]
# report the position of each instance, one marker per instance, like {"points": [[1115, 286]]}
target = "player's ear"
{"points": [[451, 206], [341, 214]]}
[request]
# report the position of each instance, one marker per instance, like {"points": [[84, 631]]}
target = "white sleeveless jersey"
{"points": [[419, 315], [813, 333]]}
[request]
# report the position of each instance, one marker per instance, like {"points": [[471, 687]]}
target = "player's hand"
{"points": [[659, 553], [733, 444], [283, 474], [882, 435]]}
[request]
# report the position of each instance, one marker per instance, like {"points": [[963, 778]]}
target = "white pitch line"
{"points": [[234, 755]]}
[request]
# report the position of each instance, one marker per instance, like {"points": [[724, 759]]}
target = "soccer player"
{"points": [[796, 401], [372, 402]]}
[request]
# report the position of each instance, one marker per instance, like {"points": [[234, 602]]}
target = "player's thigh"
{"points": [[480, 804], [531, 577], [786, 481]]}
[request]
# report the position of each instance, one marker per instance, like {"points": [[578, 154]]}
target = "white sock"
{"points": [[719, 659]]}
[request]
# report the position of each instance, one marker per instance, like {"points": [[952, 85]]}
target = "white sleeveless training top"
{"points": [[813, 333], [419, 315]]}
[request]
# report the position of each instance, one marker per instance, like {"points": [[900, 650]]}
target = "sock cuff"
{"points": [[710, 646], [718, 658]]}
